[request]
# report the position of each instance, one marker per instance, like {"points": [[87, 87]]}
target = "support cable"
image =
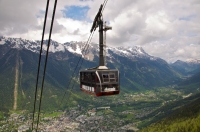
{"points": [[82, 62], [85, 54], [86, 45], [46, 61], [36, 90], [104, 5]]}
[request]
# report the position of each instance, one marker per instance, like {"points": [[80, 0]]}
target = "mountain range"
{"points": [[19, 60]]}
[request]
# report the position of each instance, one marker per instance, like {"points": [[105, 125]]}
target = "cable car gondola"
{"points": [[100, 81]]}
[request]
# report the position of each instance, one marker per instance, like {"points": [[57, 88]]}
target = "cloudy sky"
{"points": [[169, 29]]}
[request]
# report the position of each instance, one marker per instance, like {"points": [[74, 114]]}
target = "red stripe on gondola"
{"points": [[101, 93]]}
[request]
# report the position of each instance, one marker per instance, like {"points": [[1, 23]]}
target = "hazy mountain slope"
{"points": [[187, 68], [145, 72]]}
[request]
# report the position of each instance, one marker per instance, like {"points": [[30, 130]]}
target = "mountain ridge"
{"points": [[73, 47]]}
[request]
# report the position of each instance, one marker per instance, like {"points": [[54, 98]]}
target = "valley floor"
{"points": [[120, 113]]}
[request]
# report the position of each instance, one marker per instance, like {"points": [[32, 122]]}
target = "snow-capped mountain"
{"points": [[193, 61], [34, 46], [75, 48], [189, 62]]}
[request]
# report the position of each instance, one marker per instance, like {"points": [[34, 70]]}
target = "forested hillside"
{"points": [[190, 85], [184, 119]]}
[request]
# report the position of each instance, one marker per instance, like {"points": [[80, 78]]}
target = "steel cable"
{"points": [[38, 72], [86, 45], [49, 40], [81, 63]]}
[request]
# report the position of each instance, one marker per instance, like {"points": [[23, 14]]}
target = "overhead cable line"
{"points": [[81, 62], [49, 40], [84, 50], [104, 5], [38, 72]]}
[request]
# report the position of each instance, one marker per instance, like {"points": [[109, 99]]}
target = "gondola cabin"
{"points": [[100, 82]]}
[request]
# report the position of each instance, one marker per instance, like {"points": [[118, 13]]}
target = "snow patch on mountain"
{"points": [[132, 52], [77, 50], [193, 61], [2, 42], [61, 48]]}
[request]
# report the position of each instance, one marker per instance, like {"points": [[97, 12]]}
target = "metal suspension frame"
{"points": [[98, 22]]}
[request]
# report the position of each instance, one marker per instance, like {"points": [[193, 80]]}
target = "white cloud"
{"points": [[167, 29]]}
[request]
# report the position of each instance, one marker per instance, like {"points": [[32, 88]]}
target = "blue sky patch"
{"points": [[192, 34], [188, 18], [41, 13], [76, 12]]}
